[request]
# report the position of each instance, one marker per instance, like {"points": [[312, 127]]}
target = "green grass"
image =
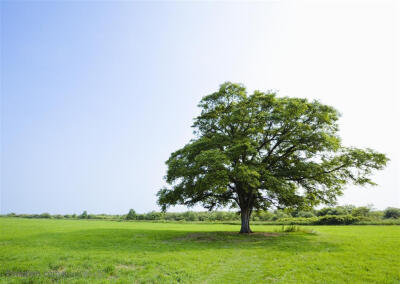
{"points": [[83, 251]]}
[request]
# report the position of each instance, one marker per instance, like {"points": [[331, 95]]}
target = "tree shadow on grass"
{"points": [[143, 240]]}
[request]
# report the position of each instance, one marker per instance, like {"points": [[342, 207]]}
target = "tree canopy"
{"points": [[258, 151], [131, 215]]}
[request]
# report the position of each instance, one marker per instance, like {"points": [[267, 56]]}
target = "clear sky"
{"points": [[96, 95]]}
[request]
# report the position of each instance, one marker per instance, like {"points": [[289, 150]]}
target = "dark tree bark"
{"points": [[245, 216]]}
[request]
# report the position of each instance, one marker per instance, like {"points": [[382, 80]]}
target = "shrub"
{"points": [[140, 217], [305, 214], [278, 214], [376, 215], [84, 215], [131, 215], [45, 215], [190, 216], [336, 220], [220, 216], [348, 208], [360, 211], [298, 221], [331, 211], [391, 212], [294, 228], [153, 215], [263, 215]]}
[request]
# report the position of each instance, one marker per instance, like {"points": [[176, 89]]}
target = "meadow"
{"points": [[82, 251]]}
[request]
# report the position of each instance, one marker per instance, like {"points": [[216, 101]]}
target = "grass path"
{"points": [[78, 251]]}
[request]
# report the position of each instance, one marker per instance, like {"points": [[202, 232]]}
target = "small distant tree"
{"points": [[131, 215], [190, 216], [265, 215], [349, 208], [391, 212], [45, 215], [332, 211], [361, 211], [305, 214], [258, 151], [153, 215], [279, 214], [84, 215]]}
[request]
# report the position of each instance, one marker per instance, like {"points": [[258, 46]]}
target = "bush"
{"points": [[153, 215], [361, 211], [263, 215], [354, 215], [45, 215], [337, 220], [279, 214], [298, 221], [131, 215], [391, 212], [190, 216], [305, 214], [331, 211], [290, 228], [84, 215], [376, 215]]}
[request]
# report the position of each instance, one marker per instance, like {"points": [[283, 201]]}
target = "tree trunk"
{"points": [[245, 215]]}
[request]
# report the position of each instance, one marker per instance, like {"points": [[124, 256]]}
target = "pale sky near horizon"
{"points": [[96, 95]]}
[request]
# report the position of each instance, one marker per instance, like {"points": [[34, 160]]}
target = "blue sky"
{"points": [[96, 95]]}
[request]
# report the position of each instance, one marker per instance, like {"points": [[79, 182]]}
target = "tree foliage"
{"points": [[131, 215], [84, 215], [260, 151], [392, 212]]}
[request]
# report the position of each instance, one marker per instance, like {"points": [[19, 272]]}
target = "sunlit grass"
{"points": [[105, 251]]}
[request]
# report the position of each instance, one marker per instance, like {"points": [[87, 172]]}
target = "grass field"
{"points": [[85, 251]]}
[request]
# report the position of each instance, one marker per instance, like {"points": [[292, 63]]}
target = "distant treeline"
{"points": [[340, 215]]}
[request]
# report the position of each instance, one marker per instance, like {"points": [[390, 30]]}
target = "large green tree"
{"points": [[259, 151]]}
